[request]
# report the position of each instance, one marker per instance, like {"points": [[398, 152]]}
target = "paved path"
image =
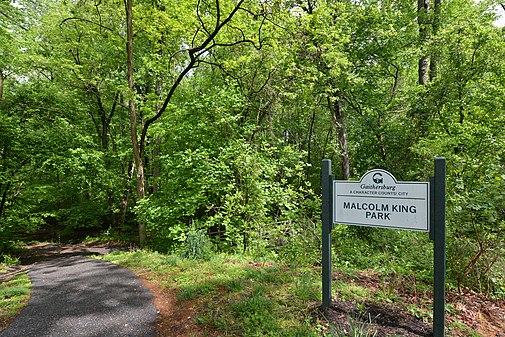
{"points": [[77, 296]]}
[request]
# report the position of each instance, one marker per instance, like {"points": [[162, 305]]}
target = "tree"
{"points": [[11, 22], [211, 20], [137, 156], [423, 11], [55, 60], [466, 100]]}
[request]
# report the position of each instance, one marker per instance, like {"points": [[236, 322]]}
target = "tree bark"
{"points": [[422, 21], [423, 70], [339, 121], [139, 167], [157, 143], [1, 86], [435, 26], [4, 199], [124, 201], [103, 118], [156, 163], [309, 142]]}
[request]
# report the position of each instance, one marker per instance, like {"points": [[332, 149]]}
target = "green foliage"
{"points": [[197, 245], [307, 286], [236, 155], [245, 196], [9, 260], [465, 123], [239, 194], [255, 310], [51, 170], [386, 251]]}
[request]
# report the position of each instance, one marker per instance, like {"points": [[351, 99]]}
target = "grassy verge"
{"points": [[14, 295], [240, 296], [235, 295]]}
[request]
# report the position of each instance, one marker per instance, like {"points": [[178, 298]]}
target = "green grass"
{"points": [[242, 296], [14, 295], [237, 296], [355, 328], [352, 291], [462, 329]]}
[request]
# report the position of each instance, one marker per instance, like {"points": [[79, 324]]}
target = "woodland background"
{"points": [[155, 121]]}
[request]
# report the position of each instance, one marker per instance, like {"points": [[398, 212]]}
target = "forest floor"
{"points": [[401, 312], [467, 313], [474, 312]]}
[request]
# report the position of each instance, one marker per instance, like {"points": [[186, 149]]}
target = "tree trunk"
{"points": [[423, 70], [139, 167], [103, 118], [3, 201], [156, 164], [124, 201], [309, 143], [1, 86], [4, 198], [435, 26], [157, 142], [339, 121], [422, 21]]}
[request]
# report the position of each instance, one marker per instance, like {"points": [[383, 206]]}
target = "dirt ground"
{"points": [[477, 312], [176, 318]]}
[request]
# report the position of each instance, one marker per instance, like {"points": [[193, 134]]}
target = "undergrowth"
{"points": [[239, 296], [14, 295], [236, 295]]}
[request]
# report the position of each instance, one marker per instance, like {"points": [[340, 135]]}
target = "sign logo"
{"points": [[377, 178]]}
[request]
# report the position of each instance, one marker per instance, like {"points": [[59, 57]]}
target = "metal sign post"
{"points": [[327, 224], [439, 259]]}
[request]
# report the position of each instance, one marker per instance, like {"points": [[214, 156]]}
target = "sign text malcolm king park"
{"points": [[379, 200]]}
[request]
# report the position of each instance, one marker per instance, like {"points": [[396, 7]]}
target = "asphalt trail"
{"points": [[76, 296]]}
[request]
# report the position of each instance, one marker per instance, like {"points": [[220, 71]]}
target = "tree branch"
{"points": [[113, 109], [88, 21], [200, 20], [194, 53]]}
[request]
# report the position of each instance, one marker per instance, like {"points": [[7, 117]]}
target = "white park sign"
{"points": [[378, 200]]}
